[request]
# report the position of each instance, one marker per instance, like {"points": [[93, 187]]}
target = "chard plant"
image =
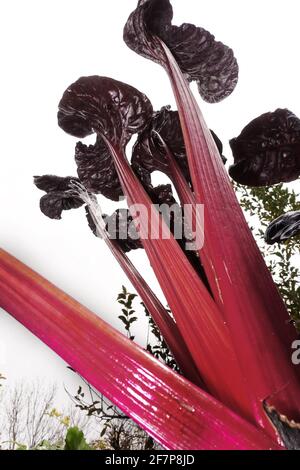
{"points": [[229, 330]]}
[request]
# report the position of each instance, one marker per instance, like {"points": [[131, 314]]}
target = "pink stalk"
{"points": [[196, 314], [241, 283], [172, 410], [161, 317]]}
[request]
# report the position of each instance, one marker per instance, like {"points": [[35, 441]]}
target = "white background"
{"points": [[45, 46]]}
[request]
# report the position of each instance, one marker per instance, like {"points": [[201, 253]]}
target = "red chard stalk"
{"points": [[173, 411], [83, 109], [229, 330], [241, 283], [161, 317]]}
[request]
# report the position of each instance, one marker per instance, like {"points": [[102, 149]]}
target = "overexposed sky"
{"points": [[45, 46]]}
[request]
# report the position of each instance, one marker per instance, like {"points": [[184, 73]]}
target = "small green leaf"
{"points": [[123, 319], [75, 440], [131, 297]]}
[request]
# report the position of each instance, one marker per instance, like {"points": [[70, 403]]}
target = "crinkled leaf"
{"points": [[149, 15], [53, 204], [268, 150], [50, 183], [105, 106], [91, 222], [201, 58], [59, 197], [162, 194], [148, 155], [96, 170], [120, 227], [283, 228]]}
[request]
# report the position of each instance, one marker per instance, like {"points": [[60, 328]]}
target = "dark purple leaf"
{"points": [[268, 150], [120, 222], [96, 170], [283, 228], [210, 63], [120, 227], [145, 22], [91, 222], [50, 183], [104, 106], [148, 155], [162, 194], [59, 197], [54, 203]]}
